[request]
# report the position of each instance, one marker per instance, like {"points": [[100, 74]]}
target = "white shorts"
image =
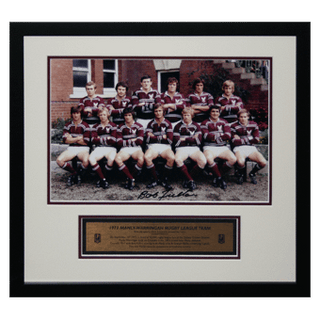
{"points": [[76, 150], [158, 147], [245, 150], [130, 150], [188, 150], [100, 152], [216, 150]]}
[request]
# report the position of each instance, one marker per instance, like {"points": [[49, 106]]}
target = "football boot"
{"points": [[131, 184], [153, 184], [221, 183], [104, 184], [191, 185], [166, 184], [252, 177]]}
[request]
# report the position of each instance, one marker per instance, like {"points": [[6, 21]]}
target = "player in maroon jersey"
{"points": [[199, 101], [229, 103], [216, 132], [159, 137], [76, 134], [117, 104], [130, 136], [187, 137], [104, 137], [245, 134], [143, 101], [91, 103], [173, 101]]}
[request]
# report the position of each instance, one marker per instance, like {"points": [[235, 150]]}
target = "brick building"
{"points": [[68, 78]]}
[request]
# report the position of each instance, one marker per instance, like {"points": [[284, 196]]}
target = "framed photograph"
{"points": [[176, 191]]}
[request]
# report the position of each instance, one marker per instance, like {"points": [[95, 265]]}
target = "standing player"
{"points": [[143, 101], [76, 134], [159, 137], [130, 135], [245, 134], [187, 137], [104, 136], [173, 101], [229, 103], [117, 104], [215, 133], [91, 103], [199, 101]]}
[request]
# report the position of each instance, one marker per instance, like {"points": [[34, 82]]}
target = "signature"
{"points": [[165, 194]]}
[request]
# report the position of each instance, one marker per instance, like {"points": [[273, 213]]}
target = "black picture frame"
{"points": [[299, 288]]}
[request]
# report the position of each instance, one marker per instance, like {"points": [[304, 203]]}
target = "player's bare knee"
{"points": [[171, 157], [241, 162], [148, 163], [179, 162], [148, 158], [202, 163], [60, 162], [140, 160], [232, 161], [85, 162], [110, 161], [262, 163], [170, 162], [118, 160], [92, 161], [111, 157]]}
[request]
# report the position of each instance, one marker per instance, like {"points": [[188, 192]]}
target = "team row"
{"points": [[201, 143], [144, 99]]}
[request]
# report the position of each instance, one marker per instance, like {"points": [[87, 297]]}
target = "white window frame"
{"points": [[111, 92], [81, 92]]}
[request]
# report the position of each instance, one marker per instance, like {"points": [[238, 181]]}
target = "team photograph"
{"points": [[170, 130]]}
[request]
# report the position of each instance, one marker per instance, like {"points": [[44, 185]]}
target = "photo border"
{"points": [[299, 288]]}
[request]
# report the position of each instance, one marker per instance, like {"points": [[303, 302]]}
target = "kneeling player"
{"points": [[130, 135], [159, 136], [104, 136], [245, 134], [215, 133], [187, 137], [76, 133]]}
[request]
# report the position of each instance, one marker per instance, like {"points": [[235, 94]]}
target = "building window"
{"points": [[81, 75], [110, 76]]}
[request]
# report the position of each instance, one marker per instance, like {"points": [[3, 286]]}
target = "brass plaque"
{"points": [[105, 236]]}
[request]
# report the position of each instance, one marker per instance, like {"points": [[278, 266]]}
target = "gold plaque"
{"points": [[206, 237]]}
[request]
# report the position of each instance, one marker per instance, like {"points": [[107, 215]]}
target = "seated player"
{"points": [[216, 132], [187, 137], [159, 137], [130, 135], [143, 101], [229, 103], [117, 104], [245, 134], [173, 101], [104, 137], [91, 103], [199, 101], [76, 133]]}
